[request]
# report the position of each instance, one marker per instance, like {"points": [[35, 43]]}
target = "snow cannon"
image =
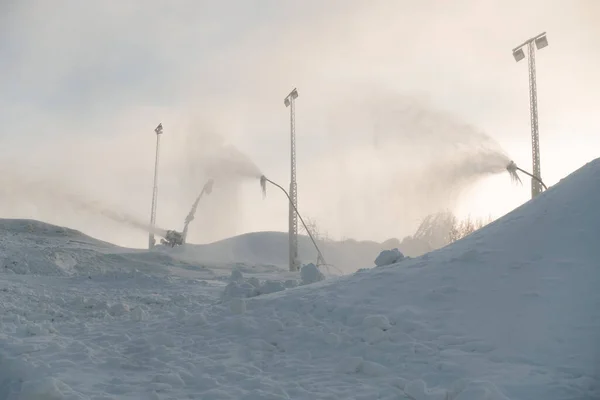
{"points": [[208, 186], [172, 238], [512, 171], [263, 185]]}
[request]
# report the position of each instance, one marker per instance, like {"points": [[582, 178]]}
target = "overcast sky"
{"points": [[83, 85]]}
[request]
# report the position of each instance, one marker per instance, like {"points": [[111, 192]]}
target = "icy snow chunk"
{"points": [[377, 321], [271, 287], [332, 339], [290, 283], [389, 257], [241, 290], [31, 330], [310, 274], [374, 335], [373, 369], [237, 306], [118, 309], [417, 390], [481, 390], [236, 276], [138, 314], [172, 379], [216, 394], [254, 281], [181, 314], [350, 365], [162, 338], [274, 325], [197, 319]]}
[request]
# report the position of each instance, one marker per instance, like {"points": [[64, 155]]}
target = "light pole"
{"points": [[289, 101], [540, 41], [263, 184], [151, 240]]}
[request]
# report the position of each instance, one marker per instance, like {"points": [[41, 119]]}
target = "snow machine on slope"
{"points": [[172, 238]]}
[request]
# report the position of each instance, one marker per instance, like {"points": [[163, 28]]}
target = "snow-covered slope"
{"points": [[513, 311], [271, 248], [37, 248]]}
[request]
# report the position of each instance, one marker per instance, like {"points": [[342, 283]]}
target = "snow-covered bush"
{"points": [[290, 283], [271, 287], [310, 273], [239, 290], [389, 257], [254, 281], [236, 276], [252, 287], [242, 288]]}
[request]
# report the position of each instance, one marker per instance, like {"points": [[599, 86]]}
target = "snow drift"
{"points": [[516, 306]]}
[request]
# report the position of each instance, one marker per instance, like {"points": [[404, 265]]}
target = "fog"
{"points": [[404, 108]]}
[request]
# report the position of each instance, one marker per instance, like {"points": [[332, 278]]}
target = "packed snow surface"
{"points": [[510, 312]]}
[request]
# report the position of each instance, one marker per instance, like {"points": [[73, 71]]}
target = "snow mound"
{"points": [[240, 287], [30, 247], [389, 257], [310, 273], [508, 313]]}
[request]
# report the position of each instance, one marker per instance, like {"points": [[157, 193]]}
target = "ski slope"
{"points": [[510, 312]]}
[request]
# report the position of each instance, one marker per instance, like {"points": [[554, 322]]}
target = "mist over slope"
{"points": [[272, 248]]}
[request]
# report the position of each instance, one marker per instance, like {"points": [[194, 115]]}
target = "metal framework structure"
{"points": [[206, 189], [540, 41], [151, 240], [289, 101]]}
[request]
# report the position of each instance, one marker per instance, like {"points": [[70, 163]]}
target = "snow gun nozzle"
{"points": [[208, 186], [512, 171], [263, 185]]}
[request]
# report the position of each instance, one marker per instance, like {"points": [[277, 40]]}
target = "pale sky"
{"points": [[85, 83]]}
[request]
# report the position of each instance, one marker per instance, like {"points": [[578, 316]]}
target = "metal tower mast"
{"points": [[289, 101], [151, 240], [541, 41]]}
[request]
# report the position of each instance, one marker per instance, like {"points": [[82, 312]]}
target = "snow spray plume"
{"points": [[53, 191], [208, 154], [415, 160], [122, 218], [441, 154], [227, 163]]}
